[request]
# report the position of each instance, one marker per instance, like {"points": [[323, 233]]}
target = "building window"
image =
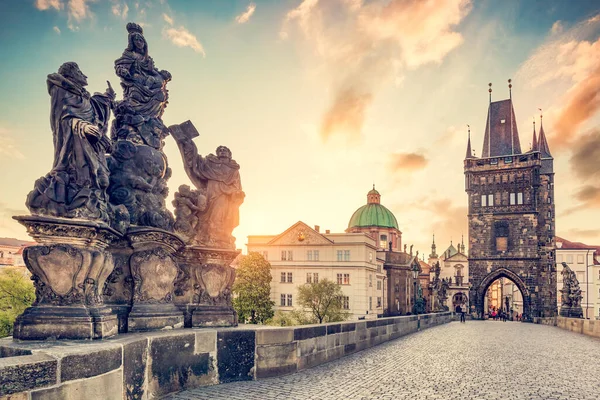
{"points": [[316, 277], [483, 200], [290, 257], [507, 160], [579, 276], [378, 267], [379, 302], [579, 258], [501, 234], [346, 255], [370, 256], [559, 258], [549, 214], [490, 200], [378, 284], [549, 200], [309, 255], [513, 199], [316, 255], [289, 300], [370, 303], [283, 277], [283, 255], [519, 198], [599, 293], [289, 277], [346, 279], [265, 255], [308, 277], [282, 300], [370, 280], [339, 279], [340, 255], [569, 258], [346, 303], [383, 242]]}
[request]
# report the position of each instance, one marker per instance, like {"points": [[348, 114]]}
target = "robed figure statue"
{"points": [[219, 197], [76, 185]]}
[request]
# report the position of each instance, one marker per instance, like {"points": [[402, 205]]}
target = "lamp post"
{"points": [[415, 274]]}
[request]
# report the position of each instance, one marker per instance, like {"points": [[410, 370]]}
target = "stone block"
{"points": [[89, 364], [21, 373], [334, 328], [174, 366], [274, 336], [321, 343], [276, 360], [312, 360], [348, 327], [7, 351], [309, 332], [333, 340], [350, 348], [135, 361], [335, 353], [307, 346], [16, 396], [206, 342], [91, 388], [235, 355]]}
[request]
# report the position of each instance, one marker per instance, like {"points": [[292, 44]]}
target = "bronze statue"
{"points": [[76, 185]]}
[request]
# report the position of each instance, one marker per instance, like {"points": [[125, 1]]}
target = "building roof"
{"points": [[568, 245], [450, 251], [373, 215], [543, 143], [12, 242], [501, 133]]}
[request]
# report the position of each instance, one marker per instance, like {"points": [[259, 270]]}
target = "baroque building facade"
{"points": [[511, 214], [454, 267]]}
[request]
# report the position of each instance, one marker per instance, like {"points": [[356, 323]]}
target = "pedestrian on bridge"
{"points": [[463, 311]]}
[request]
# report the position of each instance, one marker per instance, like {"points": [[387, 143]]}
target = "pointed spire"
{"points": [[534, 144], [433, 249], [543, 143], [469, 151], [501, 133]]}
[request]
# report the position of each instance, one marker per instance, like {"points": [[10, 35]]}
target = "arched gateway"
{"points": [[511, 214]]}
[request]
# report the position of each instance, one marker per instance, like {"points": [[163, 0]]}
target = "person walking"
{"points": [[457, 310], [463, 311]]}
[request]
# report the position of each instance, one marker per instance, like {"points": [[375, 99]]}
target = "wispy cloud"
{"points": [[557, 27], [56, 29], [407, 161], [47, 4], [181, 37], [362, 45], [245, 16], [119, 9], [168, 19], [78, 10], [8, 148]]}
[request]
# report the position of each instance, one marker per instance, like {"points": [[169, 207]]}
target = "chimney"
{"points": [[317, 228], [327, 231]]}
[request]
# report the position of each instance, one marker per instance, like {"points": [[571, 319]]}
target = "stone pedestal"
{"points": [[154, 273], [571, 312], [204, 288], [69, 267]]}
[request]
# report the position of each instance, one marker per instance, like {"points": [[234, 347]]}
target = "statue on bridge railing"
{"points": [[570, 294]]}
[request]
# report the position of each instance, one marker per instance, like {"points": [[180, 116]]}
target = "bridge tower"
{"points": [[511, 213]]}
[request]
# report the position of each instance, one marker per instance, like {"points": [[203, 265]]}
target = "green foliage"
{"points": [[282, 318], [324, 300], [252, 289], [16, 294]]}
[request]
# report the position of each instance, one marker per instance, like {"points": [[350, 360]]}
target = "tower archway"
{"points": [[479, 292]]}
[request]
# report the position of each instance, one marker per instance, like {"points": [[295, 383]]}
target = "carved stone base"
{"points": [[212, 316], [60, 322], [571, 312], [149, 317]]}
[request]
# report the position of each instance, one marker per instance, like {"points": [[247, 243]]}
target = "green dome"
{"points": [[373, 215]]}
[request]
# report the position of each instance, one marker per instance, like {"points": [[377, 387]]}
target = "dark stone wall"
{"points": [[528, 259]]}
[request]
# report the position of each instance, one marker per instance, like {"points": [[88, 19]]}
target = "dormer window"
{"points": [[502, 121]]}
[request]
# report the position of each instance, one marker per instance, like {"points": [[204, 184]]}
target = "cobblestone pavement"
{"points": [[477, 360]]}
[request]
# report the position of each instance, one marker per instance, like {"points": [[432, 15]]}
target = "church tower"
{"points": [[511, 214]]}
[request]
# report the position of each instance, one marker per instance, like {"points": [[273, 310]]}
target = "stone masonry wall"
{"points": [[150, 365]]}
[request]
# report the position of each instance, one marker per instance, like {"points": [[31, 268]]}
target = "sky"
{"points": [[319, 100]]}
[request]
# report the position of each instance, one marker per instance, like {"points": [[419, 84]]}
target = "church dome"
{"points": [[373, 213]]}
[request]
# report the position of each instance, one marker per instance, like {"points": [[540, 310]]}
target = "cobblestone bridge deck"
{"points": [[477, 360]]}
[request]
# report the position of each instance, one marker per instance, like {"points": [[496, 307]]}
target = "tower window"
{"points": [[383, 241], [483, 200], [512, 199], [490, 200], [519, 198], [501, 234]]}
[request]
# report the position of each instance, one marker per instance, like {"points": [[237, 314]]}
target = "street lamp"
{"points": [[415, 274]]}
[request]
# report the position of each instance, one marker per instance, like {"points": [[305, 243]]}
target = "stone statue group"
{"points": [[121, 179], [110, 255]]}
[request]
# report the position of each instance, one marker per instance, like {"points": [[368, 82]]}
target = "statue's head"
{"points": [[136, 40], [224, 152], [71, 71]]}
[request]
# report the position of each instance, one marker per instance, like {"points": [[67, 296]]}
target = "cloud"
{"points": [[47, 4], [582, 233], [557, 28], [361, 46], [407, 161], [8, 148], [56, 29], [181, 37], [168, 19], [120, 10], [78, 10], [245, 16], [585, 160]]}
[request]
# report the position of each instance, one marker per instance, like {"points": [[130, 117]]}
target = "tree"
{"points": [[16, 294], [324, 300], [252, 289]]}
